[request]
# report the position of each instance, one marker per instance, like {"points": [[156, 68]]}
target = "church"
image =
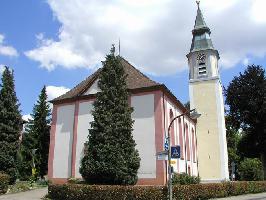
{"points": [[203, 149]]}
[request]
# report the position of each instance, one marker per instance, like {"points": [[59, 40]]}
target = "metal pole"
{"points": [[170, 188]]}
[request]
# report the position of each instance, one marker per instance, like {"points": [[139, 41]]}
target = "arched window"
{"points": [[172, 129], [193, 145], [187, 143], [181, 138]]}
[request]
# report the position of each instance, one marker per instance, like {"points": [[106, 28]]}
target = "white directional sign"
{"points": [[162, 155]]}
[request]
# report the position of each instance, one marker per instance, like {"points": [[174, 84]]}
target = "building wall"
{"points": [[206, 96], [63, 141], [83, 125], [178, 133], [70, 130], [144, 133]]}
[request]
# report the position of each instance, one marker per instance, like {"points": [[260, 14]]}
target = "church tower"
{"points": [[205, 93]]}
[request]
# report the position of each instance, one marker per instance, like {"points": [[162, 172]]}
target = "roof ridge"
{"points": [[135, 79], [138, 70]]}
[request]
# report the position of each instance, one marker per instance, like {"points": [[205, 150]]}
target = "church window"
{"points": [[181, 138], [187, 143], [172, 130], [193, 145], [201, 58]]}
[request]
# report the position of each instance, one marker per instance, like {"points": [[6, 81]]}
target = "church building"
{"points": [[202, 142]]}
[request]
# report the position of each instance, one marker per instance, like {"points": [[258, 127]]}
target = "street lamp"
{"points": [[193, 115]]}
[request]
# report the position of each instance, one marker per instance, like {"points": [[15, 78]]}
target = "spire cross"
{"points": [[198, 2]]}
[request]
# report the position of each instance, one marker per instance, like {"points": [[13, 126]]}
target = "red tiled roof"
{"points": [[135, 80]]}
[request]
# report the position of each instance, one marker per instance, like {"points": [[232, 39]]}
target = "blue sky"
{"points": [[58, 43]]}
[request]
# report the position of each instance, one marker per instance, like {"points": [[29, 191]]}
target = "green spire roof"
{"points": [[201, 34], [199, 22]]}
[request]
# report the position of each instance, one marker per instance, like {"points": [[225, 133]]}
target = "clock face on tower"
{"points": [[201, 57]]}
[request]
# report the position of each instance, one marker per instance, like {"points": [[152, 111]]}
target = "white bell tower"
{"points": [[205, 92]]}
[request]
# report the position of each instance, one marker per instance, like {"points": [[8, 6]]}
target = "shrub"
{"points": [[4, 180], [106, 192], [185, 192], [250, 169], [185, 179], [75, 181]]}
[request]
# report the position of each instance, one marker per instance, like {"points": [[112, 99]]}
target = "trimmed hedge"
{"points": [[4, 181], [185, 192], [185, 179]]}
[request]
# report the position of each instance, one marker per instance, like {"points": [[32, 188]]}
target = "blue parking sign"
{"points": [[175, 151]]}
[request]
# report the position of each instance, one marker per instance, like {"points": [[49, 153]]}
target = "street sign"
{"points": [[166, 145], [173, 162], [162, 155], [175, 151]]}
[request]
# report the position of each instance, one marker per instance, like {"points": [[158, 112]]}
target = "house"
{"points": [[154, 106]]}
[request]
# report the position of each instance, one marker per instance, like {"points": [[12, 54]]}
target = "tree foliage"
{"points": [[37, 136], [10, 124], [250, 169], [111, 156], [246, 97]]}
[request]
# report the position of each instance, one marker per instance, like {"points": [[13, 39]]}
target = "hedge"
{"points": [[185, 192], [4, 181]]}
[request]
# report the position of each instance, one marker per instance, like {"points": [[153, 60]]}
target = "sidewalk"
{"points": [[28, 195], [259, 196]]}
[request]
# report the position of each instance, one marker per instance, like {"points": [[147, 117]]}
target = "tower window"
{"points": [[202, 70]]}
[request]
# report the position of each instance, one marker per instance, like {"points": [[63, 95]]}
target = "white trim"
{"points": [[191, 96], [222, 131], [204, 79]]}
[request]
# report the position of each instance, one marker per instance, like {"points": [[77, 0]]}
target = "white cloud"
{"points": [[2, 68], [6, 50], [258, 11], [55, 91], [246, 61], [155, 34], [27, 117]]}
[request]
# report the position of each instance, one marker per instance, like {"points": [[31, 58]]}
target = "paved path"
{"points": [[260, 196], [29, 195]]}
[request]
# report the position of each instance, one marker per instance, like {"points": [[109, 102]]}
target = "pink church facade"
{"points": [[154, 107]]}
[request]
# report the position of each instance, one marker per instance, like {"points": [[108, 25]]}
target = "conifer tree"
{"points": [[111, 156], [36, 139], [10, 124]]}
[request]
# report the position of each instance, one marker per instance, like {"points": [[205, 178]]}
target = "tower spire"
{"points": [[200, 22], [198, 2], [201, 33]]}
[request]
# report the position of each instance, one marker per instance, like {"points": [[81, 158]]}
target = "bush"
{"points": [[105, 192], [185, 179], [185, 192], [4, 180], [250, 169]]}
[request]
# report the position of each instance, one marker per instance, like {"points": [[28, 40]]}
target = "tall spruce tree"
{"points": [[37, 136], [10, 124], [111, 156]]}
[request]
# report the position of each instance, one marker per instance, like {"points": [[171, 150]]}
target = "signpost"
{"points": [[166, 146], [162, 155], [175, 151]]}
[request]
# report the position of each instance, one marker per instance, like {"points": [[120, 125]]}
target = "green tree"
{"points": [[37, 137], [233, 138], [246, 97], [111, 156], [10, 124], [250, 169]]}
